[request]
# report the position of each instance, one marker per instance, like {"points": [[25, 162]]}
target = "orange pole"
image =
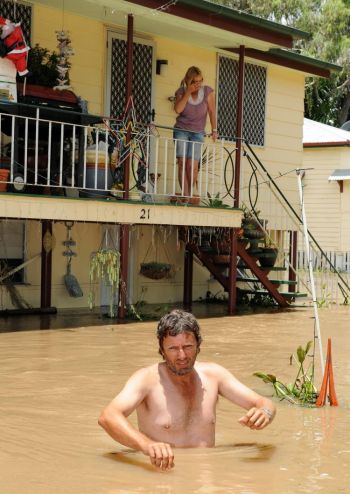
{"points": [[332, 395], [328, 381]]}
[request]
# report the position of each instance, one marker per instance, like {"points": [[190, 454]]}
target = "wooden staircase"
{"points": [[249, 271]]}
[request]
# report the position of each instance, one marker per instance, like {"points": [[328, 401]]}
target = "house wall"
{"points": [[87, 237], [282, 151], [88, 39], [327, 209], [345, 215]]}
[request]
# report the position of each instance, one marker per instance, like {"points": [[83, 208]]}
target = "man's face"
{"points": [[180, 353]]}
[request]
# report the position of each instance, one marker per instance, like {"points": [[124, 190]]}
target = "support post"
{"points": [[129, 75], [124, 230], [123, 285], [311, 272], [232, 293], [188, 280], [239, 125], [46, 264], [293, 239]]}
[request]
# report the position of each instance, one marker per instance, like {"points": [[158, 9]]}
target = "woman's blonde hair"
{"points": [[190, 74]]}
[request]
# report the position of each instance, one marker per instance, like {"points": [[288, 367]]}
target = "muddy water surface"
{"points": [[55, 382]]}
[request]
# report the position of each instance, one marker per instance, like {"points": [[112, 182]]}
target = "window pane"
{"points": [[253, 105]]}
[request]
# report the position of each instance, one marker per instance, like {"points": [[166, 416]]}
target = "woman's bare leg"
{"points": [[192, 175], [182, 176]]}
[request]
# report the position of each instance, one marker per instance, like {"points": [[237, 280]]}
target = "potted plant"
{"points": [[252, 225], [215, 202], [105, 266], [42, 66], [156, 270], [269, 254]]}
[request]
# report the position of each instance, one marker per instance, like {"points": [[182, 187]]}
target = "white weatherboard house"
{"points": [[65, 192], [326, 158]]}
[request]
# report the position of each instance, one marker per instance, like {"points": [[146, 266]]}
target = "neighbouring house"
{"points": [[93, 167], [327, 188]]}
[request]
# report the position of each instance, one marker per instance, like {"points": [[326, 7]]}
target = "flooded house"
{"points": [[92, 208]]}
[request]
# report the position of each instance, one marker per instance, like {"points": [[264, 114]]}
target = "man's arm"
{"points": [[260, 410], [114, 422]]}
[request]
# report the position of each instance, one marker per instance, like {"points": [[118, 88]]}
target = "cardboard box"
{"points": [[8, 90]]}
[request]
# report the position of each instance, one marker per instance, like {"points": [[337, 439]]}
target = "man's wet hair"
{"points": [[177, 322]]}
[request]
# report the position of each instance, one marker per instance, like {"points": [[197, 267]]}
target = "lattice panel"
{"points": [[227, 97], [18, 12], [118, 77], [253, 105], [141, 83]]}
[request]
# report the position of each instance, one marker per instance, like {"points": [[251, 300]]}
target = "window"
{"points": [[18, 12], [12, 248], [253, 105]]}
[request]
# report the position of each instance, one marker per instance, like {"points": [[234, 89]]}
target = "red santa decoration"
{"points": [[13, 45]]}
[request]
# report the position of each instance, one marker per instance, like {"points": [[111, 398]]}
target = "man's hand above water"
{"points": [[257, 418], [161, 455]]}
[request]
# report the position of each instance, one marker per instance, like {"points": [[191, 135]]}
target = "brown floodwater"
{"points": [[54, 383]]}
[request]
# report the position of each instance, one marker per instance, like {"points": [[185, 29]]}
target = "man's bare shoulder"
{"points": [[146, 374], [211, 369]]}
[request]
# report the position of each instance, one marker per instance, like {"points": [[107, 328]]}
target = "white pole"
{"points": [[311, 273]]}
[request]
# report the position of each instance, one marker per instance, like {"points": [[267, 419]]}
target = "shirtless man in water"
{"points": [[176, 400]]}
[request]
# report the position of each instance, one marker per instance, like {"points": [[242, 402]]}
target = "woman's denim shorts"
{"points": [[188, 144]]}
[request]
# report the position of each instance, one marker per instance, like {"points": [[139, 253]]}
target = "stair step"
{"points": [[264, 292], [274, 268], [255, 280]]}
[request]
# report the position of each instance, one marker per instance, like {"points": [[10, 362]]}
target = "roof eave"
{"points": [[230, 20], [329, 144], [290, 59]]}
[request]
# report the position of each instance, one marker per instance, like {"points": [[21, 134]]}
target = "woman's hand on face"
{"points": [[193, 87]]}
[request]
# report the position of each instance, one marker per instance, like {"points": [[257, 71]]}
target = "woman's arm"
{"points": [[183, 97], [212, 115]]}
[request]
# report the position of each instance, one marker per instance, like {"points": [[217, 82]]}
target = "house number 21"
{"points": [[145, 214]]}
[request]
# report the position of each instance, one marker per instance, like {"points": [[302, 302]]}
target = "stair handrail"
{"points": [[294, 212]]}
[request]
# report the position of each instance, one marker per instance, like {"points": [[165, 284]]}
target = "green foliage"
{"points": [[302, 391], [42, 65], [105, 267], [215, 202]]}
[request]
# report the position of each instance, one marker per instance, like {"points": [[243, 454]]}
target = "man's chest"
{"points": [[173, 408]]}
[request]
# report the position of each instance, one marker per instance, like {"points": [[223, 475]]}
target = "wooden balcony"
{"points": [[63, 169]]}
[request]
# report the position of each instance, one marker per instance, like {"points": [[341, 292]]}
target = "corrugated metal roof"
{"points": [[339, 174], [319, 134]]}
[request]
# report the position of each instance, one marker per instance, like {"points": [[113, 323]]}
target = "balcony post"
{"points": [[232, 293], [123, 285], [188, 280], [293, 242], [239, 124], [129, 75], [124, 229], [46, 264]]}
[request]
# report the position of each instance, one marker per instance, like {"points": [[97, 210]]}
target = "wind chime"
{"points": [[65, 52]]}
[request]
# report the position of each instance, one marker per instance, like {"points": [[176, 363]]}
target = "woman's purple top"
{"points": [[194, 116]]}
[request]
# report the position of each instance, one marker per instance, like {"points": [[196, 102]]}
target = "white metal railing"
{"points": [[89, 161], [285, 230]]}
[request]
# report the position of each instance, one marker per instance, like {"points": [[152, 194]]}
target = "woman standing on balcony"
{"points": [[193, 103]]}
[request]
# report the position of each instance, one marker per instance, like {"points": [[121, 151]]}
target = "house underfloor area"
{"points": [[77, 318]]}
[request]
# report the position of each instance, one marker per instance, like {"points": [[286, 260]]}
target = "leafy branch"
{"points": [[303, 390]]}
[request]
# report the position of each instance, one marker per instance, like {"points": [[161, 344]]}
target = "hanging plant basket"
{"points": [[156, 270], [105, 266]]}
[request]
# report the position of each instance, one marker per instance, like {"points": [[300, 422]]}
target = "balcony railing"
{"points": [[89, 161]]}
